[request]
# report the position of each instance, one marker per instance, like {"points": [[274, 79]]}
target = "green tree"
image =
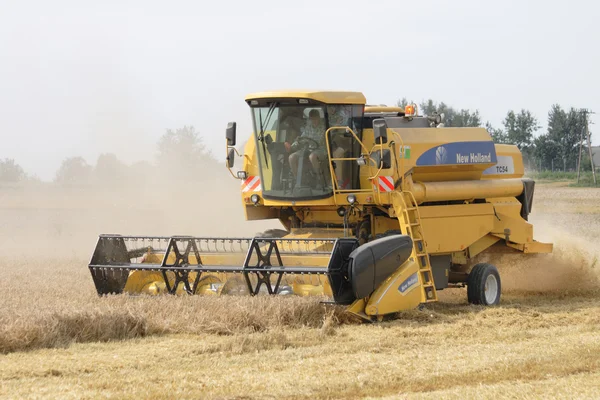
{"points": [[498, 135], [403, 102], [520, 128], [565, 129], [576, 125], [452, 116], [557, 123], [429, 107], [10, 171], [73, 170], [109, 169], [545, 151], [181, 153], [586, 164], [142, 172], [467, 118]]}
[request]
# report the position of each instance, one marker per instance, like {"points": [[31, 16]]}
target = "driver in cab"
{"points": [[314, 135]]}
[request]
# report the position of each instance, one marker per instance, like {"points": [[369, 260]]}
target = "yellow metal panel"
{"points": [[330, 97], [358, 308], [388, 298], [538, 247], [384, 224], [329, 216], [456, 210], [482, 244], [256, 213], [362, 197], [383, 109], [463, 190], [509, 218], [454, 228], [250, 164]]}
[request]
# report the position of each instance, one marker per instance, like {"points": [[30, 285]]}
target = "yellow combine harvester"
{"points": [[381, 208]]}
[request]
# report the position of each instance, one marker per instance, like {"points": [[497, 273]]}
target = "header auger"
{"points": [[381, 209]]}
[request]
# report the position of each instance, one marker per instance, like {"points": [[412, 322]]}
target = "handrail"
{"points": [[401, 174], [366, 155]]}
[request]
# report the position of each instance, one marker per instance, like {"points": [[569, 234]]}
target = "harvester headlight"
{"points": [[242, 174], [361, 161], [254, 198], [351, 199], [341, 211]]}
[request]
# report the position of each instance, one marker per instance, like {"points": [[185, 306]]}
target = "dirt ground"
{"points": [[59, 340]]}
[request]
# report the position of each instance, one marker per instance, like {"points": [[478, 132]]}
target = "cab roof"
{"points": [[329, 97]]}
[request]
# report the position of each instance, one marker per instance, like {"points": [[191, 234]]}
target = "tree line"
{"points": [[555, 149], [181, 155]]}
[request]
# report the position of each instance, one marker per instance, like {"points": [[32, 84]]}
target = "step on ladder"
{"points": [[410, 224]]}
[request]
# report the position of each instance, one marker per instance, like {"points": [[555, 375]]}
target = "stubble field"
{"points": [[59, 340]]}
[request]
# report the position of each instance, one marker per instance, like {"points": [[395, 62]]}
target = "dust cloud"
{"points": [[570, 219], [56, 220]]}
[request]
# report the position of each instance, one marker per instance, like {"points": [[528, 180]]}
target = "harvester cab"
{"points": [[381, 209]]}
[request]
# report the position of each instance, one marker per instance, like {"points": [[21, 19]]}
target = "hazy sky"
{"points": [[83, 78]]}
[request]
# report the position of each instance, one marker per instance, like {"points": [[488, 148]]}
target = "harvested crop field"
{"points": [[59, 340]]}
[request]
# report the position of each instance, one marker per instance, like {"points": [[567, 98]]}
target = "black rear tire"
{"points": [[477, 291]]}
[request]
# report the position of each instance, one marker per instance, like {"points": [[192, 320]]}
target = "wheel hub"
{"points": [[491, 289]]}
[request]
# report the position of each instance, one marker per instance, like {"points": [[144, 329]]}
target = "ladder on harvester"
{"points": [[410, 224]]}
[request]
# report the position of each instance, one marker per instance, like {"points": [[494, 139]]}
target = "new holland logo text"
{"points": [[473, 158], [408, 283], [459, 153]]}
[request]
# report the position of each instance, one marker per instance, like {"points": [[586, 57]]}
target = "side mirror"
{"points": [[380, 131], [230, 134], [384, 162], [231, 157]]}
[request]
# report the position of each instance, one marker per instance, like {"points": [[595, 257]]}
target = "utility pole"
{"points": [[580, 146], [586, 129], [589, 143]]}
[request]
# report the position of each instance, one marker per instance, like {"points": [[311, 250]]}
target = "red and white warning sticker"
{"points": [[385, 183], [251, 184]]}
